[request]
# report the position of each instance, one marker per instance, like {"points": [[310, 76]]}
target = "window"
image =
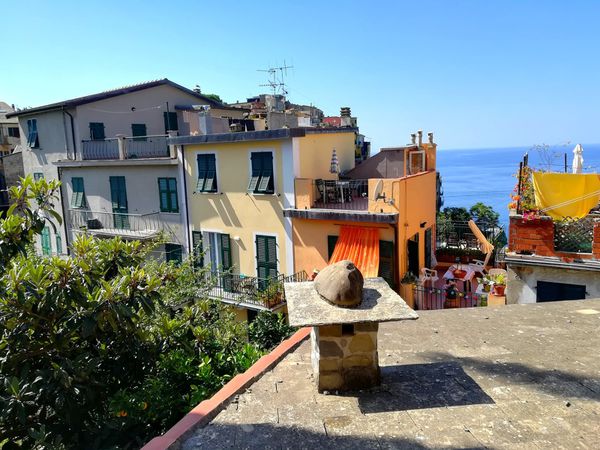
{"points": [[118, 195], [428, 245], [97, 131], [548, 291], [261, 180], [138, 130], [58, 244], [170, 119], [416, 162], [331, 241], [207, 173], [46, 245], [386, 262], [32, 134], [266, 256], [78, 199], [218, 251], [174, 252], [38, 176], [14, 132], [167, 188]]}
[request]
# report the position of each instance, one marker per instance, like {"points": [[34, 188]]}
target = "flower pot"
{"points": [[499, 289], [459, 273]]}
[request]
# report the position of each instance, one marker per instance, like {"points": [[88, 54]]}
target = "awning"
{"points": [[485, 245], [361, 246], [561, 195]]}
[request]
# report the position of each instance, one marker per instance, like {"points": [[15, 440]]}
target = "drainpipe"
{"points": [[62, 208], [72, 133], [185, 220]]}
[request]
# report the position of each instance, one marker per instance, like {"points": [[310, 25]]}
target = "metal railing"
{"points": [[459, 235], [116, 224], [100, 149], [575, 236], [262, 292], [342, 194], [153, 146], [436, 298]]}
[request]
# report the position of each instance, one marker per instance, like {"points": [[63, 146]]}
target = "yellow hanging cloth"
{"points": [[561, 195]]}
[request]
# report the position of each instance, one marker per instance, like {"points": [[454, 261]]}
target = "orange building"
{"points": [[380, 214]]}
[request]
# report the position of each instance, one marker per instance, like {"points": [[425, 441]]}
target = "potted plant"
{"points": [[486, 282], [458, 271], [499, 284]]}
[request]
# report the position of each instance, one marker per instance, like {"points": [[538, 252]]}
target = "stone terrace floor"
{"points": [[519, 377]]}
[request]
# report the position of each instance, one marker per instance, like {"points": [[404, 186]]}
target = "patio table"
{"points": [[466, 279]]}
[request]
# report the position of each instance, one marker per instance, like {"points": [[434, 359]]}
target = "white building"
{"points": [[109, 150]]}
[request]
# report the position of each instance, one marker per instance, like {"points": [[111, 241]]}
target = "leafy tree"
{"points": [[214, 97], [456, 214], [102, 349], [484, 215]]}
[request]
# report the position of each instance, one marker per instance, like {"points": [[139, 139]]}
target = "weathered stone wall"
{"points": [[344, 357]]}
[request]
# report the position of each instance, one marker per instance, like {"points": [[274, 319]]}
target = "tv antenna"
{"points": [[277, 78]]}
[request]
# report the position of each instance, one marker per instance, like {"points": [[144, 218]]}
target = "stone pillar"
{"points": [[172, 149], [344, 356], [122, 149]]}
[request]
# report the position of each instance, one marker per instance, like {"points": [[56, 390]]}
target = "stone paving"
{"points": [[519, 377]]}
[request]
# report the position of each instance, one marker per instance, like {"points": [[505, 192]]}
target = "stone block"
{"points": [[330, 381], [326, 365], [330, 330], [357, 361], [356, 378], [366, 326], [330, 349], [361, 343]]}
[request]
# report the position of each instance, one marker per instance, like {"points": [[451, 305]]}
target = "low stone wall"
{"points": [[344, 356]]}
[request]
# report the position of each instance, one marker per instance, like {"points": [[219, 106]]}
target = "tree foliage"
{"points": [[268, 330], [484, 215], [102, 349]]}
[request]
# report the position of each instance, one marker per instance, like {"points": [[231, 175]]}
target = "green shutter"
{"points": [[38, 176], [198, 250], [174, 252], [266, 257], [256, 162], [386, 262], [118, 193], [170, 119], [78, 200], [46, 245], [226, 261], [331, 241], [167, 188], [58, 244], [207, 173], [97, 131], [138, 130]]}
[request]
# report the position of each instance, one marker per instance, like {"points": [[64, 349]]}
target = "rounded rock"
{"points": [[340, 283]]}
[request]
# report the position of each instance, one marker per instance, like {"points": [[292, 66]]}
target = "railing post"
{"points": [[122, 149], [172, 149]]}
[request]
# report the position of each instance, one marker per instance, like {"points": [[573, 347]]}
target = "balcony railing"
{"points": [[436, 298], [455, 234], [135, 226], [125, 148], [261, 293], [575, 236], [342, 194]]}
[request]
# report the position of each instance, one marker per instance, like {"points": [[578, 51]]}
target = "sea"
{"points": [[488, 175]]}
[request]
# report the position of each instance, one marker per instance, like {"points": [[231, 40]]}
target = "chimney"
{"points": [[430, 137], [197, 89], [420, 136], [413, 138], [345, 116]]}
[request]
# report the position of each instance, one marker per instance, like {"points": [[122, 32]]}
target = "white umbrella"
{"points": [[578, 159]]}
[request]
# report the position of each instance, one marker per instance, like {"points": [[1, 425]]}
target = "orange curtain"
{"points": [[361, 246]]}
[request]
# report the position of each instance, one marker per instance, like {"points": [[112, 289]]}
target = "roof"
{"points": [[279, 133], [388, 163], [114, 93], [518, 376]]}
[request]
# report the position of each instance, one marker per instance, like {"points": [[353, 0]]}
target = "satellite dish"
{"points": [[378, 189]]}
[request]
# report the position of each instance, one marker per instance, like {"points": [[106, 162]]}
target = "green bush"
{"points": [[268, 330], [102, 349]]}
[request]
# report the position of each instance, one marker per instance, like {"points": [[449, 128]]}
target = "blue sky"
{"points": [[477, 73]]}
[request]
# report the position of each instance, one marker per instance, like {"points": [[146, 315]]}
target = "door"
{"points": [[412, 250], [428, 245], [548, 291], [118, 193], [218, 253], [170, 119], [386, 262]]}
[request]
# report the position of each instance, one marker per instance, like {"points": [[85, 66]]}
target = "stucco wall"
{"points": [[142, 191], [232, 210], [310, 241], [13, 168], [522, 281], [315, 150]]}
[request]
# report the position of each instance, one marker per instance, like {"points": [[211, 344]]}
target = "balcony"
{"points": [[125, 148], [251, 292], [128, 226], [555, 242]]}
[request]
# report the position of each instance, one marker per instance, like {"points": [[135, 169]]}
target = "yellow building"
{"points": [[238, 185], [381, 214]]}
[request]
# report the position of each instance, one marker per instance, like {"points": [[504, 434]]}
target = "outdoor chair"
{"points": [[428, 275]]}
